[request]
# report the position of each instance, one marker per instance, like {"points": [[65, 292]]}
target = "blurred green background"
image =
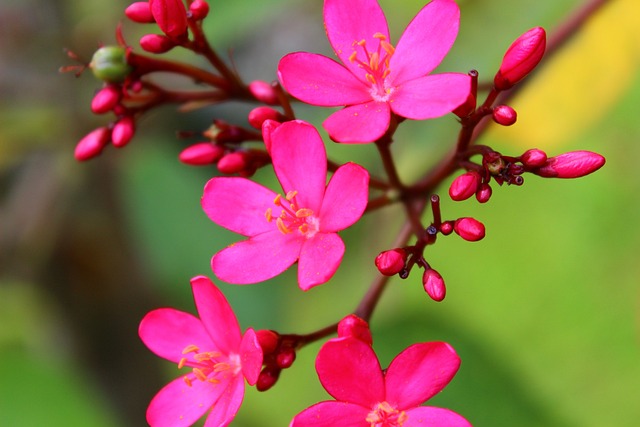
{"points": [[543, 311]]}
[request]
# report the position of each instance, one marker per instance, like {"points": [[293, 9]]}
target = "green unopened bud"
{"points": [[109, 64]]}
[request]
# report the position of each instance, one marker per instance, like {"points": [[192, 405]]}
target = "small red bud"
{"points": [[171, 16], [355, 327], [267, 378], [92, 144], [446, 228], [434, 284], [521, 58], [199, 9], [574, 164], [232, 163], [464, 186], [391, 262], [139, 12], [534, 158], [469, 229], [263, 92], [285, 358], [105, 99], [202, 153], [504, 115], [123, 131], [484, 193], [268, 340], [258, 115], [156, 43]]}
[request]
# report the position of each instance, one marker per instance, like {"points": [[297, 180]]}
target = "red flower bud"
{"points": [[504, 115], [92, 144], [484, 193], [464, 186], [433, 284], [446, 228], [156, 43], [105, 99], [391, 262], [268, 340], [267, 378], [233, 163], [199, 9], [258, 115], [573, 164], [521, 58], [123, 131], [469, 229], [171, 16], [139, 12], [203, 153], [285, 358], [355, 327], [533, 158], [263, 92]]}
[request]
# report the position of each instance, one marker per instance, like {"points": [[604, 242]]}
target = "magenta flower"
{"points": [[368, 397], [219, 356], [301, 226], [377, 79]]}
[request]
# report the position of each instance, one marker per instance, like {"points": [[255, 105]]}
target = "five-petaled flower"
{"points": [[377, 79], [299, 226], [370, 397], [219, 356]]}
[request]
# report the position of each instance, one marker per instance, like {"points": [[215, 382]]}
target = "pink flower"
{"points": [[377, 79], [301, 226], [367, 396], [219, 356]]}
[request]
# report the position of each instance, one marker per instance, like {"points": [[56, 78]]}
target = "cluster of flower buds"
{"points": [[279, 352], [505, 169], [171, 16]]}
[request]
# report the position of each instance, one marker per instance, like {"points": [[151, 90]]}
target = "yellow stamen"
{"points": [[283, 228], [268, 214], [374, 61], [304, 228], [199, 374], [361, 42], [190, 348], [213, 381], [182, 362], [277, 201], [388, 47], [220, 367], [291, 194], [370, 79], [379, 36], [303, 213], [187, 380], [353, 56]]}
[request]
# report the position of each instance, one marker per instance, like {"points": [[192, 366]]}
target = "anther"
{"points": [[182, 362], [190, 348]]}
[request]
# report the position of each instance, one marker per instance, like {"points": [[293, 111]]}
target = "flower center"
{"points": [[385, 415], [209, 366], [293, 217], [376, 65]]}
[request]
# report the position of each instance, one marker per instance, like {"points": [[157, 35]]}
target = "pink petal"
{"points": [[425, 42], [348, 22], [239, 205], [350, 372], [178, 405], [216, 315], [251, 356], [318, 80], [300, 162], [332, 414], [419, 372], [359, 124], [430, 416], [225, 409], [345, 199], [167, 332], [260, 258], [431, 96], [319, 259]]}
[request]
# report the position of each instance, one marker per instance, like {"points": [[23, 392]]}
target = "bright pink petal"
{"points": [[359, 124], [300, 162], [345, 199], [167, 332], [332, 414], [227, 405], [250, 356], [216, 315], [419, 372], [430, 416], [350, 372], [239, 205], [318, 80], [255, 260], [348, 22], [319, 259], [425, 42], [180, 405], [431, 96]]}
